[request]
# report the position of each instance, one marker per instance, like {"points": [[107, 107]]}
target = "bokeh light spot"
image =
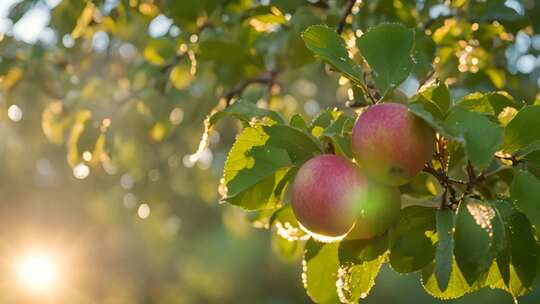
{"points": [[81, 171], [143, 211], [15, 113]]}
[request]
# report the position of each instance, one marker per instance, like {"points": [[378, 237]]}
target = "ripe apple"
{"points": [[330, 196], [390, 144]]}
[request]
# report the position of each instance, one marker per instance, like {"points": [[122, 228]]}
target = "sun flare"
{"points": [[37, 272]]}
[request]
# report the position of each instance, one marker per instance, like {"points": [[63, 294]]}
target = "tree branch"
{"points": [[346, 13], [269, 79], [448, 183]]}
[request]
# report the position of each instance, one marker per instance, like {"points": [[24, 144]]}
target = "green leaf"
{"points": [[479, 236], [516, 265], [531, 148], [258, 165], [431, 115], [284, 182], [334, 134], [299, 145], [423, 54], [522, 245], [298, 122], [360, 251], [501, 100], [533, 157], [320, 269], [287, 250], [411, 242], [342, 145], [523, 130], [422, 186], [457, 285], [445, 247], [354, 281], [330, 47], [438, 95], [476, 102], [491, 103], [258, 195], [336, 126], [387, 49], [525, 191], [514, 286], [508, 17], [480, 137], [251, 159], [245, 111], [322, 121]]}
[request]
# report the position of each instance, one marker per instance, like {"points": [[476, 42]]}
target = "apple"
{"points": [[331, 196], [390, 144]]}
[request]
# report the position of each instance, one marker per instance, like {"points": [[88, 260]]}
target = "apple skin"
{"points": [[323, 194], [331, 197], [390, 144]]}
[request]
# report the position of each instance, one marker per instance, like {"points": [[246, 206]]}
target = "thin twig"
{"points": [[442, 177], [515, 161], [346, 13], [269, 79], [426, 79], [372, 91], [429, 23], [472, 176], [174, 61], [366, 91], [450, 185]]}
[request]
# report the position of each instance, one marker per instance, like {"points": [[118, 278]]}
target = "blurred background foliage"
{"points": [[102, 105]]}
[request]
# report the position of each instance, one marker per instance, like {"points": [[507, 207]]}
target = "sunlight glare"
{"points": [[37, 272]]}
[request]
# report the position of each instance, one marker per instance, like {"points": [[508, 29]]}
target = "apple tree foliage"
{"points": [[469, 220]]}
